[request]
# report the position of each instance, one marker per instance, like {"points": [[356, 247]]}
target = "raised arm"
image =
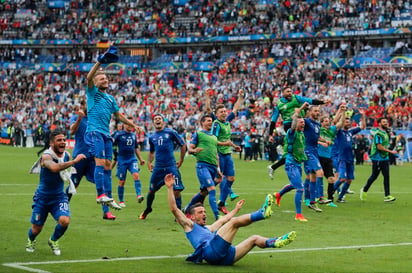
{"points": [[75, 126], [239, 101], [207, 102], [90, 75], [181, 218], [363, 119], [296, 115], [124, 120], [340, 117]]}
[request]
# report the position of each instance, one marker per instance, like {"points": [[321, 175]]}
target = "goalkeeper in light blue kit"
{"points": [[126, 141], [50, 196], [100, 107], [86, 167]]}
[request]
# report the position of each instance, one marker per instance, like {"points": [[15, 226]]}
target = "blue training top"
{"points": [[100, 107], [163, 144], [198, 237]]}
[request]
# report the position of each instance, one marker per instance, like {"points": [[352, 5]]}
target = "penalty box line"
{"points": [[26, 265]]}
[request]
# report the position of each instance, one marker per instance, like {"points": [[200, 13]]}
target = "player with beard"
{"points": [[380, 160], [50, 196], [100, 107], [213, 243], [285, 108], [346, 166]]}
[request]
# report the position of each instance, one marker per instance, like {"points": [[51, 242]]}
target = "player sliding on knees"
{"points": [[213, 243]]}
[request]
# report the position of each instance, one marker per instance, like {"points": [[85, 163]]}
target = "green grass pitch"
{"points": [[357, 236]]}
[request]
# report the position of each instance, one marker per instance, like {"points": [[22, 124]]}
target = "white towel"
{"points": [[64, 174]]}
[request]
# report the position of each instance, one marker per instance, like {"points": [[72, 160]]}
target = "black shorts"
{"points": [[327, 166]]}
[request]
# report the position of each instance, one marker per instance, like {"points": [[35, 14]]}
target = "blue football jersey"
{"points": [[126, 143], [312, 133], [163, 144], [80, 147], [344, 138]]}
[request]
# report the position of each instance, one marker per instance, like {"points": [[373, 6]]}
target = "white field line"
{"points": [[26, 265]]}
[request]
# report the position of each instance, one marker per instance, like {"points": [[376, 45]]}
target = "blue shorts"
{"points": [[42, 205], [226, 165], [131, 165], [312, 164], [84, 167], [206, 173], [294, 173], [100, 145], [346, 170], [157, 180], [219, 252]]}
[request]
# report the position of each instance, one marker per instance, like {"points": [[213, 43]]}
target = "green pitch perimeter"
{"points": [[357, 236]]}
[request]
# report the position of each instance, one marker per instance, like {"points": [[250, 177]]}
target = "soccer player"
{"points": [[346, 155], [328, 132], [50, 196], [213, 243], [204, 146], [85, 167], [313, 169], [128, 146], [294, 153], [100, 107], [221, 129], [162, 143], [380, 160], [285, 108], [119, 128]]}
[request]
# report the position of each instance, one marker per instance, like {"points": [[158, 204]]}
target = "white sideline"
{"points": [[25, 265]]}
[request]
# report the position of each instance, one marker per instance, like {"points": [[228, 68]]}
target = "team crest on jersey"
{"points": [[166, 135]]}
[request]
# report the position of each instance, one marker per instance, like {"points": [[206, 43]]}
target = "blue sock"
{"points": [[298, 201], [120, 193], [271, 242], [150, 199], [212, 203], [319, 186], [105, 209], [257, 216], [286, 189], [179, 202], [306, 188], [99, 179], [138, 187], [312, 190], [108, 180], [58, 232], [225, 192], [32, 237], [345, 188], [223, 188], [337, 185]]}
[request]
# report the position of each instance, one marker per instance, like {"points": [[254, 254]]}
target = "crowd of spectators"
{"points": [[36, 101], [112, 19]]}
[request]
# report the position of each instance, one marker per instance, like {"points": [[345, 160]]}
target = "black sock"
{"points": [[279, 163]]}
